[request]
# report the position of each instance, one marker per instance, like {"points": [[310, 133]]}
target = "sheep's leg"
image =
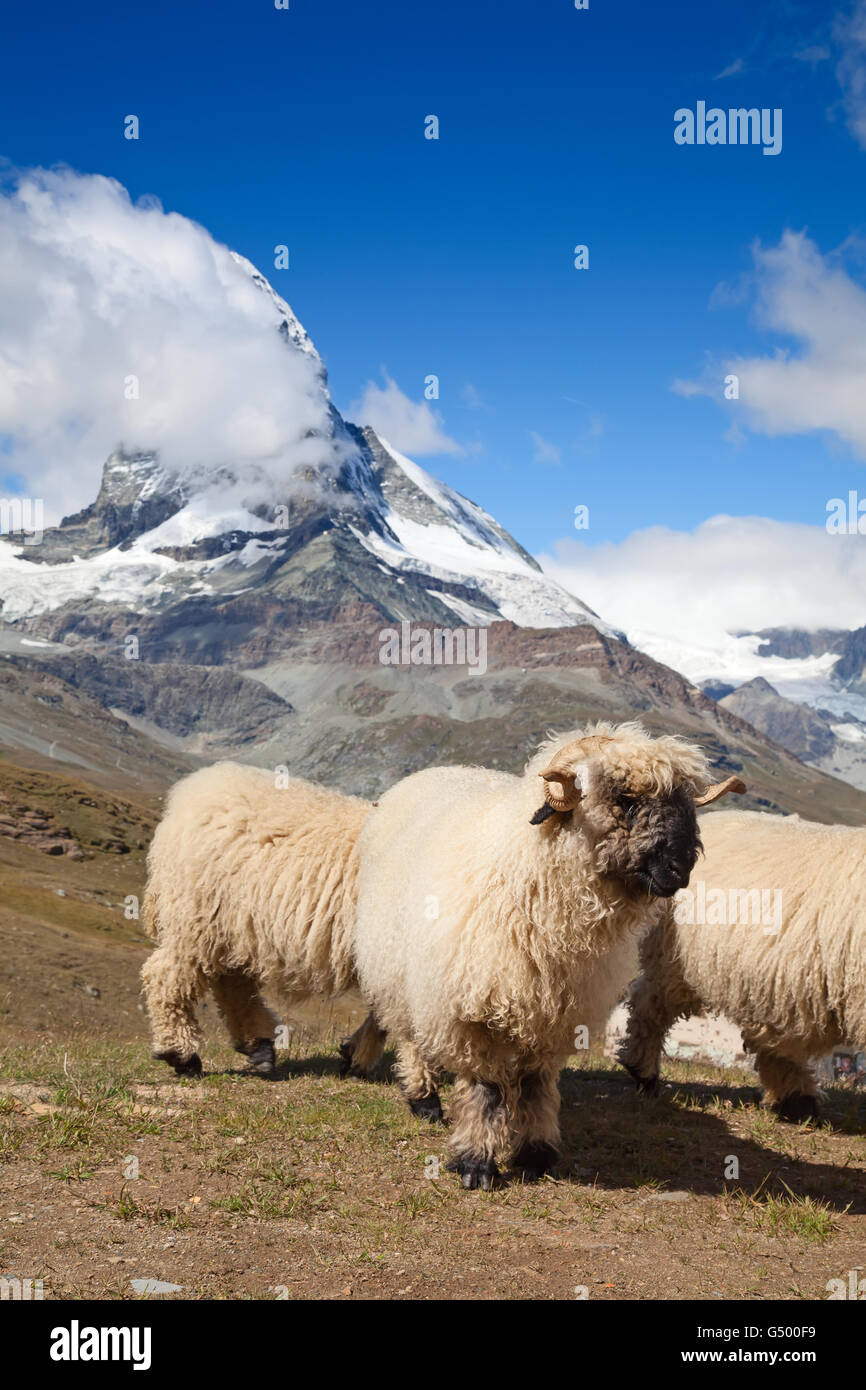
{"points": [[362, 1052], [480, 1131], [659, 996], [419, 1082], [171, 988], [249, 1022], [535, 1123], [790, 1087]]}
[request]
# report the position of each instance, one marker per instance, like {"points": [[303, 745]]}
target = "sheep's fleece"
{"points": [[795, 993], [250, 884], [483, 941]]}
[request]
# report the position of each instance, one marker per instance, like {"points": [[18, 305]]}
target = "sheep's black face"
{"points": [[650, 843]]}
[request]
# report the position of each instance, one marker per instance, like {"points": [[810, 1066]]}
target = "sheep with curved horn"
{"points": [[490, 928]]}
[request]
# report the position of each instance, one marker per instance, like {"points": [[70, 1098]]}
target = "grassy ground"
{"points": [[308, 1187], [72, 939], [86, 896]]}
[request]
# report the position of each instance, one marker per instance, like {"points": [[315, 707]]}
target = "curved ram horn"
{"points": [[730, 784], [567, 799]]}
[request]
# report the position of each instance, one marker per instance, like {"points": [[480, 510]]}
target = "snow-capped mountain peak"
{"points": [[391, 534], [429, 528], [288, 324]]}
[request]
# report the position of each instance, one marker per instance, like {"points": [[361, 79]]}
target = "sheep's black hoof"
{"points": [[427, 1107], [646, 1085], [535, 1160], [183, 1066], [475, 1172], [261, 1054], [797, 1108]]}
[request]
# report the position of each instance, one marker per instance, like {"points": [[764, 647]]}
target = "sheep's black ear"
{"points": [[542, 814]]}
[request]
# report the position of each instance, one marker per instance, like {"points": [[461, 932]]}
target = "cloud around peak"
{"points": [[413, 427], [127, 326]]}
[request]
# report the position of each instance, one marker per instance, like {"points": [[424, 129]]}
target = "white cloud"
{"points": [[471, 397], [731, 574], [687, 389], [544, 451], [849, 31], [737, 66], [813, 54], [413, 427], [95, 289], [821, 385]]}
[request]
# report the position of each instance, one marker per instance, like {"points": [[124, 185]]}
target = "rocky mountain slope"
{"points": [[49, 724], [805, 689], [200, 579], [330, 710], [814, 735], [801, 729]]}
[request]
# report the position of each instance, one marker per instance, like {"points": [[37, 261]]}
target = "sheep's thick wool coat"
{"points": [[795, 993], [247, 876], [486, 940]]}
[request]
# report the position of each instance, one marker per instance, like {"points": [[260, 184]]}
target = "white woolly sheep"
{"points": [[486, 934], [781, 951], [251, 886]]}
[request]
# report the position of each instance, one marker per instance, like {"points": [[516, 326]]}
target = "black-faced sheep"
{"points": [[251, 886], [490, 928], [775, 938]]}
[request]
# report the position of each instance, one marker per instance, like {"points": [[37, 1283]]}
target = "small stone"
{"points": [[147, 1286]]}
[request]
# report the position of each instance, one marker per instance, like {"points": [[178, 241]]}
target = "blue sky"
{"points": [[454, 256]]}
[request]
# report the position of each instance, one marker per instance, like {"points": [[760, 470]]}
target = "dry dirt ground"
{"points": [[307, 1187]]}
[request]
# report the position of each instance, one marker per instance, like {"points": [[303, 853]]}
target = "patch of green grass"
{"points": [[274, 1194], [78, 1172], [70, 1129], [96, 1090], [98, 1068], [129, 1208], [11, 1140], [372, 1257], [417, 1203], [787, 1214]]}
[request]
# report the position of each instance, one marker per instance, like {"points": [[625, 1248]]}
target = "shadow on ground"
{"points": [[324, 1064], [616, 1138]]}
